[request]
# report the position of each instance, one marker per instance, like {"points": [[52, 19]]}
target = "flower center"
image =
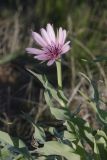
{"points": [[54, 51]]}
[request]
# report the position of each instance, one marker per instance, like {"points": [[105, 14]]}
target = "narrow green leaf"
{"points": [[39, 133], [56, 148], [96, 93], [96, 151], [59, 113], [102, 134], [59, 96], [5, 137]]}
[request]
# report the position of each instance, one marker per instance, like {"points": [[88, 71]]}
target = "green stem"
{"points": [[59, 73]]}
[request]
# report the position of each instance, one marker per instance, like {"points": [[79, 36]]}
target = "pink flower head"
{"points": [[52, 46]]}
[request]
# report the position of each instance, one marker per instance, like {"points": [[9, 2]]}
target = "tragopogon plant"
{"points": [[75, 140]]}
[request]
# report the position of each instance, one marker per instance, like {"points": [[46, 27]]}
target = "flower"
{"points": [[52, 46]]}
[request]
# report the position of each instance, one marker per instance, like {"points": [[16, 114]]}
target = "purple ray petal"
{"points": [[51, 32], [64, 36], [42, 57], [60, 36], [45, 36], [50, 62], [65, 49], [34, 51], [39, 39]]}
